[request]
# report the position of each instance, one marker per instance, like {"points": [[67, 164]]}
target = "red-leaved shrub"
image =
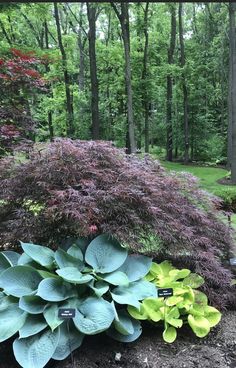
{"points": [[78, 188]]}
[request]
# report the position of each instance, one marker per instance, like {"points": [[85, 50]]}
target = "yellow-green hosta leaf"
{"points": [[179, 274], [173, 300], [152, 308], [212, 314], [136, 313], [194, 280], [200, 325], [197, 310], [169, 334], [200, 298], [149, 277], [161, 269]]}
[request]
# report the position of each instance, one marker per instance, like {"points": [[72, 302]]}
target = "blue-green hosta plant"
{"points": [[187, 305], [98, 279]]}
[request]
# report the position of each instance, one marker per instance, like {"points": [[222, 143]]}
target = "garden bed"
{"points": [[149, 351]]}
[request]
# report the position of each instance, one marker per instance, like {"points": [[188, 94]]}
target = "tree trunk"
{"points": [[145, 100], [123, 17], [232, 92], [81, 53], [169, 82], [50, 124], [91, 13], [184, 86], [69, 107]]}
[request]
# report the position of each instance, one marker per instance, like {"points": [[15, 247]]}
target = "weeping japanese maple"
{"points": [[76, 188]]}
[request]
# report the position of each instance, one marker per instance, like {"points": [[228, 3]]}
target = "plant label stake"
{"points": [[164, 292], [67, 314]]}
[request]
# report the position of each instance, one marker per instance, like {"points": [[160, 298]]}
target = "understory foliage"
{"points": [[77, 188], [99, 280]]}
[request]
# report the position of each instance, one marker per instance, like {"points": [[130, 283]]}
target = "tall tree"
{"points": [[232, 92], [169, 82], [184, 86], [69, 103], [123, 16], [92, 15]]}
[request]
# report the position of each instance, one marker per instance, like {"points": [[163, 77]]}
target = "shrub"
{"points": [[186, 306], [98, 279], [89, 188]]}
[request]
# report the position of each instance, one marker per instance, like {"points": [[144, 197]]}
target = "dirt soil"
{"points": [[149, 351]]}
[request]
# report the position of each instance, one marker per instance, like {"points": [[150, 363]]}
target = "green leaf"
{"points": [[64, 259], [11, 256], [200, 325], [32, 304], [194, 280], [136, 291], [20, 280], [124, 324], [46, 274], [55, 290], [162, 269], [173, 300], [4, 263], [105, 254], [200, 298], [116, 278], [36, 351], [99, 288], [169, 334], [12, 319], [72, 274], [138, 313], [152, 308], [136, 267], [112, 332], [76, 252], [42, 255], [93, 316], [179, 274], [25, 260], [50, 314], [70, 339], [33, 325], [213, 315]]}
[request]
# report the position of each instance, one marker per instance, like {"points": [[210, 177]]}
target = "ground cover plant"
{"points": [[78, 188], [99, 280]]}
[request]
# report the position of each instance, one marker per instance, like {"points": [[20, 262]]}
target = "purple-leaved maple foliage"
{"points": [[82, 188]]}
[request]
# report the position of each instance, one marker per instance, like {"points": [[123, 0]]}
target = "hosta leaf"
{"points": [[116, 278], [136, 291], [173, 300], [64, 259], [179, 274], [169, 334], [112, 332], [200, 325], [138, 313], [42, 255], [194, 280], [161, 269], [70, 339], [76, 252], [99, 288], [200, 298], [176, 322], [20, 280], [81, 242], [72, 274], [212, 315], [33, 325], [50, 314], [12, 257], [32, 304], [105, 254], [46, 274], [4, 263], [35, 351], [12, 319], [124, 324], [25, 260], [55, 290], [196, 310], [136, 267], [93, 316], [152, 308]]}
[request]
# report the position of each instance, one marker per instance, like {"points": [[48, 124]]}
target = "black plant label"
{"points": [[164, 292], [66, 313]]}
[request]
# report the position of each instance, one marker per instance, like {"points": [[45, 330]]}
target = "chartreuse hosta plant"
{"points": [[186, 306], [98, 280]]}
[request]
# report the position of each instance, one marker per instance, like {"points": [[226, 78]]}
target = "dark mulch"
{"points": [[216, 351]]}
